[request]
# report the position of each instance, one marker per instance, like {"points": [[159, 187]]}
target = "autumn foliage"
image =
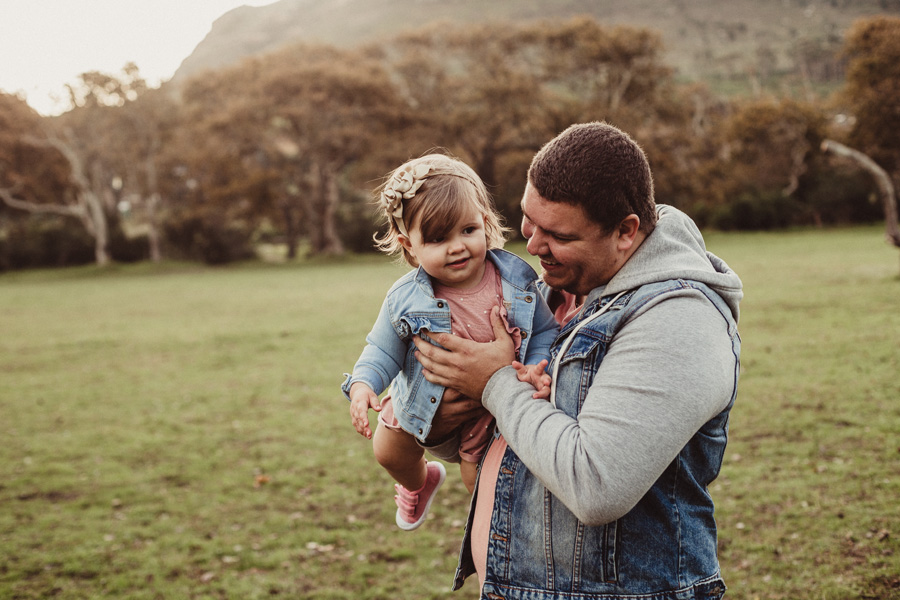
{"points": [[286, 147]]}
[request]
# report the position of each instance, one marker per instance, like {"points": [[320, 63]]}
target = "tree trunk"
{"points": [[153, 200], [327, 240], [96, 221], [882, 179], [153, 228], [291, 227]]}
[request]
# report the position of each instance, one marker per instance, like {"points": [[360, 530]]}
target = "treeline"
{"points": [[286, 148]]}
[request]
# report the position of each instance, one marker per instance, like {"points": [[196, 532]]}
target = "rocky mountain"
{"points": [[705, 39]]}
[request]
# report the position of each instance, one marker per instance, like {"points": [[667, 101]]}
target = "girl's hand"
{"points": [[536, 376], [362, 398]]}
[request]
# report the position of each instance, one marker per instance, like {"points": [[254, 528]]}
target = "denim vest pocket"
{"points": [[577, 370]]}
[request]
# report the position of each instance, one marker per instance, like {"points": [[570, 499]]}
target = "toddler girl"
{"points": [[442, 222]]}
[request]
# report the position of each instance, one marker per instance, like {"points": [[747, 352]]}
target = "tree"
{"points": [[103, 89], [771, 156], [132, 145], [615, 74], [28, 170], [872, 92], [471, 92], [304, 116], [27, 191], [493, 94], [333, 112], [110, 139]]}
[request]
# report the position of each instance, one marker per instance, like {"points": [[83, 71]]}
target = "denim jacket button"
{"points": [[524, 334], [433, 400], [440, 305], [529, 299]]}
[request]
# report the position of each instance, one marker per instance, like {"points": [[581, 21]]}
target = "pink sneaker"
{"points": [[412, 507]]}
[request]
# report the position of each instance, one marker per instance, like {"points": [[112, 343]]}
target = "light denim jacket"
{"points": [[662, 549], [410, 307]]}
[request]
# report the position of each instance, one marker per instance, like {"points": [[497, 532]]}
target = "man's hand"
{"points": [[362, 398], [465, 365]]}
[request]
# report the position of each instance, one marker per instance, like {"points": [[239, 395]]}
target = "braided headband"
{"points": [[403, 185]]}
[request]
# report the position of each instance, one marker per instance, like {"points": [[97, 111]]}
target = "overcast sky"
{"points": [[45, 44]]}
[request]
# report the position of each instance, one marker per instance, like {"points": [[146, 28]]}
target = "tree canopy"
{"points": [[287, 147]]}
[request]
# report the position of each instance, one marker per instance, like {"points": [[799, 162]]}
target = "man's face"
{"points": [[576, 255]]}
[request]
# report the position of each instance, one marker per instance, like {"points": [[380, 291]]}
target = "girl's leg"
{"points": [[469, 472], [400, 455]]}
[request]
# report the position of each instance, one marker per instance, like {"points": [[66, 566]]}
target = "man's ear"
{"points": [[628, 232]]}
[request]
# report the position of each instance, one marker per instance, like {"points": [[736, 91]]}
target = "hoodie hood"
{"points": [[675, 250]]}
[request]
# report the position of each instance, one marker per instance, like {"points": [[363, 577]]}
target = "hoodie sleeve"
{"points": [[668, 371]]}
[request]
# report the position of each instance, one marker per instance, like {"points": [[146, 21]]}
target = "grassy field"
{"points": [[177, 431]]}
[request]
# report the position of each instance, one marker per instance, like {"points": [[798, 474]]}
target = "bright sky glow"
{"points": [[45, 44]]}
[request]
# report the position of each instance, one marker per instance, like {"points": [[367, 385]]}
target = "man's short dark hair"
{"points": [[600, 168]]}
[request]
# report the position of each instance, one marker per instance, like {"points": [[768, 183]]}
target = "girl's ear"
{"points": [[405, 243]]}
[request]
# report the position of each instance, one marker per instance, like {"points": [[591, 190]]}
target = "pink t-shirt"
{"points": [[470, 309], [470, 318]]}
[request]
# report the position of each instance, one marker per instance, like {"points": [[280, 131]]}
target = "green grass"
{"points": [[177, 431]]}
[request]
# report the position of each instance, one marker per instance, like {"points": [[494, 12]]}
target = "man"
{"points": [[602, 492]]}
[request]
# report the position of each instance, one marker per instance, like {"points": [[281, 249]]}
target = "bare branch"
{"points": [[75, 164], [35, 207], [882, 179]]}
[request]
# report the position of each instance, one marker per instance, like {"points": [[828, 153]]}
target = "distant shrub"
{"points": [[755, 211], [209, 238], [45, 242], [356, 223], [128, 249], [838, 198]]}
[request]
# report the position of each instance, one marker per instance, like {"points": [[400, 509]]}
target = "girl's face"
{"points": [[457, 259]]}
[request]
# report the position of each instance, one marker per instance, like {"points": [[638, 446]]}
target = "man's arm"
{"points": [[668, 371]]}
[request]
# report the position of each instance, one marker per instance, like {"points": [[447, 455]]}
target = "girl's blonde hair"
{"points": [[437, 190]]}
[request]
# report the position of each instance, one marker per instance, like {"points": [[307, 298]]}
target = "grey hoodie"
{"points": [[669, 369]]}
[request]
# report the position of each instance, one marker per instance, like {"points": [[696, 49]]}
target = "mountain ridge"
{"points": [[702, 40]]}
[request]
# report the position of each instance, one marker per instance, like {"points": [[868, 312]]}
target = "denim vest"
{"points": [[410, 307], [663, 549]]}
